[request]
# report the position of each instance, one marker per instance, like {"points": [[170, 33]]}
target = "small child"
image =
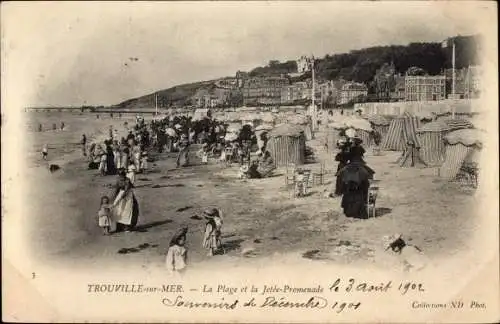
{"points": [[104, 214], [204, 153], [144, 161], [103, 162], [176, 260], [45, 151], [211, 239], [131, 173]]}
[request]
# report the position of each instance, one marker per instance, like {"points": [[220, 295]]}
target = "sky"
{"points": [[73, 54]]}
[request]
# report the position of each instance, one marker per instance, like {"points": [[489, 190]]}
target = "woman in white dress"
{"points": [[125, 208]]}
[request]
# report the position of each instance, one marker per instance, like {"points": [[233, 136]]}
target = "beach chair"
{"points": [[290, 174], [301, 182], [319, 176], [372, 200], [468, 174], [229, 156]]}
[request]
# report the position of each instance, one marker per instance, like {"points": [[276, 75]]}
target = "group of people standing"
{"points": [[124, 158]]}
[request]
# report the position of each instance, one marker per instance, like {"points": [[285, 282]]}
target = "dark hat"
{"points": [[211, 212], [180, 233]]}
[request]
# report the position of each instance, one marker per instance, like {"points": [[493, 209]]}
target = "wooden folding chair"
{"points": [[290, 174], [318, 177], [229, 156]]}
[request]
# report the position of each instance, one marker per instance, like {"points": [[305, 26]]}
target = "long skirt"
{"points": [[124, 163], [118, 160], [126, 212], [354, 203]]}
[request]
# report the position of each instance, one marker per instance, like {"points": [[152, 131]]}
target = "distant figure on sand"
{"points": [[183, 151], [125, 209], [45, 151], [40, 127], [176, 259], [83, 143], [62, 125]]}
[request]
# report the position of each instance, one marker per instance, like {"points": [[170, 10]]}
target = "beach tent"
{"points": [[302, 121], [425, 116], [431, 138], [462, 145], [380, 124], [362, 128], [401, 130], [261, 130], [287, 144]]}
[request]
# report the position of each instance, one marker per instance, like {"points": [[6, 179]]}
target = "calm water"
{"points": [[61, 142]]}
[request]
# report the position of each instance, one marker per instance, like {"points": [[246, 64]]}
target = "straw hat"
{"points": [[180, 233], [211, 212]]}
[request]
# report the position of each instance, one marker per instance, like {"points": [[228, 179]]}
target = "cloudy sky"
{"points": [[75, 53]]}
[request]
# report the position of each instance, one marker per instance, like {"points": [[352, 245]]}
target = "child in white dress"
{"points": [[176, 259], [212, 238], [45, 151], [131, 173], [104, 215]]}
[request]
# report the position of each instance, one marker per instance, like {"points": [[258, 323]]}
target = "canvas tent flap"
{"points": [[467, 137], [286, 130], [263, 127], [359, 123], [379, 120]]}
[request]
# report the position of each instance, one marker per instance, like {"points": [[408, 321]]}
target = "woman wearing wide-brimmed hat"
{"points": [[212, 238]]}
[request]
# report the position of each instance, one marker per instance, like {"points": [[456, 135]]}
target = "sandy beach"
{"points": [[262, 220]]}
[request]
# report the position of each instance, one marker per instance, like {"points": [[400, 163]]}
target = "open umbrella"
{"points": [[359, 123], [171, 132], [231, 137], [264, 127]]}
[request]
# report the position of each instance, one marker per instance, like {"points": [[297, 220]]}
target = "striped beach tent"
{"points": [[380, 124], [461, 145], [287, 144], [431, 137], [401, 130], [362, 128]]}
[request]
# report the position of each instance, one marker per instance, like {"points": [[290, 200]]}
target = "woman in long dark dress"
{"points": [[355, 182], [125, 211], [354, 187], [342, 158]]}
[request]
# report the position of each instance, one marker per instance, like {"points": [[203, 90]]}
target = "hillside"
{"points": [[358, 65]]}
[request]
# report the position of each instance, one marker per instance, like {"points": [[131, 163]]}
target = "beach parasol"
{"points": [[231, 137], [171, 132], [234, 128], [264, 127], [359, 123]]}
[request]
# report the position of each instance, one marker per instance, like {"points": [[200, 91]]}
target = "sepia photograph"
{"points": [[261, 161]]}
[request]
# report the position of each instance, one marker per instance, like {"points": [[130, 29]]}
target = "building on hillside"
{"points": [[198, 98], [263, 90], [385, 81], [398, 93], [328, 93], [227, 83], [303, 64], [425, 87], [352, 92], [240, 78]]}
